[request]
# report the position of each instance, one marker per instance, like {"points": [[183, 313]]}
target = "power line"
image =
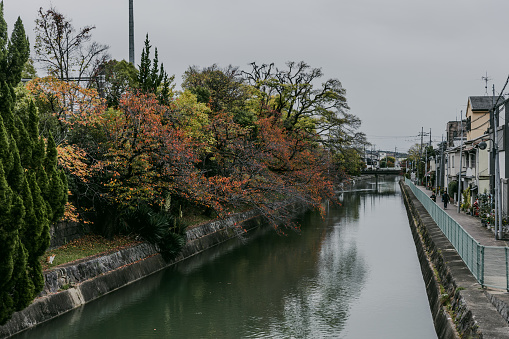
{"points": [[393, 136]]}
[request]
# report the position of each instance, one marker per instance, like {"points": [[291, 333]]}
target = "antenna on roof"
{"points": [[486, 79]]}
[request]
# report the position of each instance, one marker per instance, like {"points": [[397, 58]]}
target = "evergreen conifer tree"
{"points": [[33, 191], [152, 78]]}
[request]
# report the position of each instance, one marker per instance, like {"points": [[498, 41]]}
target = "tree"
{"points": [[29, 71], [387, 162], [192, 117], [65, 53], [119, 77], [70, 113], [63, 105], [145, 156], [152, 78], [321, 112], [414, 152], [417, 155], [267, 171], [347, 162], [222, 89], [17, 53], [293, 94], [32, 189]]}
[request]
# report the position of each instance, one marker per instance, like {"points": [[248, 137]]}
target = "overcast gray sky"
{"points": [[405, 64]]}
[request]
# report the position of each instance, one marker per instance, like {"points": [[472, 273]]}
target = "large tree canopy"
{"points": [[318, 110]]}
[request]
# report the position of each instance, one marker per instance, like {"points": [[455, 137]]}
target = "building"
{"points": [[478, 116], [371, 159], [453, 132]]}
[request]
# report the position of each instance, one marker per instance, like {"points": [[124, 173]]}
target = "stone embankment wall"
{"points": [[72, 285], [458, 303], [64, 232]]}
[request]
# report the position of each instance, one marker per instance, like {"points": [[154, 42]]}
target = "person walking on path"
{"points": [[445, 199]]}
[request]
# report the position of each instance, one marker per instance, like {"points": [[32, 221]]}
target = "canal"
{"points": [[352, 274]]}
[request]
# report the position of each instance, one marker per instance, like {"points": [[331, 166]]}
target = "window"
{"points": [[452, 161]]}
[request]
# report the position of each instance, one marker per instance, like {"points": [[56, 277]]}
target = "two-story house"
{"points": [[477, 163]]}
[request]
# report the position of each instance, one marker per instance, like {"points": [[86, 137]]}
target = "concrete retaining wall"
{"points": [[70, 286], [458, 304]]}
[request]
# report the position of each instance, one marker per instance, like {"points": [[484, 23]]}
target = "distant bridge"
{"points": [[380, 171]]}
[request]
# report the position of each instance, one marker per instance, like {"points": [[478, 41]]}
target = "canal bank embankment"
{"points": [[459, 304], [72, 285]]}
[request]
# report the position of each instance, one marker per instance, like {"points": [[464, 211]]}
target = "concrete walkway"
{"points": [[469, 223], [476, 312], [498, 297]]}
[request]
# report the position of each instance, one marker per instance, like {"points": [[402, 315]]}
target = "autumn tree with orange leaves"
{"points": [[186, 154], [270, 170]]}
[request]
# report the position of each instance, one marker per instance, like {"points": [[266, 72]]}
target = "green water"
{"points": [[352, 274]]}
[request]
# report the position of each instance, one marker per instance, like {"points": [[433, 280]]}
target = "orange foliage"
{"points": [[146, 156], [137, 153], [267, 169], [67, 101]]}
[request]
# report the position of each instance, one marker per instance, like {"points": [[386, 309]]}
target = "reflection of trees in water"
{"points": [[366, 190], [321, 305], [289, 286], [298, 285]]}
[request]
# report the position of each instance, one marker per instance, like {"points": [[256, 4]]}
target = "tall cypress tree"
{"points": [[17, 53], [33, 191], [152, 78]]}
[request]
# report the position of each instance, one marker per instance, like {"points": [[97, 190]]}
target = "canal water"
{"points": [[351, 274]]}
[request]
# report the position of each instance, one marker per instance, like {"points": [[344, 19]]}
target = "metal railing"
{"points": [[488, 264]]}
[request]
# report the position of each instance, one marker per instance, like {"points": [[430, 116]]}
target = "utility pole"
{"points": [[437, 171], [426, 173], [420, 153], [131, 32], [498, 203], [461, 151], [426, 168], [442, 163], [422, 134]]}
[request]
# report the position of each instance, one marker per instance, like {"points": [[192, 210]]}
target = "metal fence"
{"points": [[488, 264]]}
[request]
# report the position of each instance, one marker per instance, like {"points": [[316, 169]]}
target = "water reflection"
{"points": [[319, 283]]}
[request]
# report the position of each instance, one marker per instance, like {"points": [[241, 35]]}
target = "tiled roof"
{"points": [[483, 103]]}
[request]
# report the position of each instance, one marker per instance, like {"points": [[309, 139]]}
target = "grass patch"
{"points": [[86, 246], [65, 287], [91, 245], [197, 219]]}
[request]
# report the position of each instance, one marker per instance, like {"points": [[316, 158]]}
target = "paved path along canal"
{"points": [[352, 274], [470, 223]]}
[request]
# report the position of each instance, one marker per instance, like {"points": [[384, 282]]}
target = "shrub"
{"points": [[164, 230], [452, 188]]}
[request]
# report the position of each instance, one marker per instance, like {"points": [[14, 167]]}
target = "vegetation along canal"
{"points": [[352, 274]]}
